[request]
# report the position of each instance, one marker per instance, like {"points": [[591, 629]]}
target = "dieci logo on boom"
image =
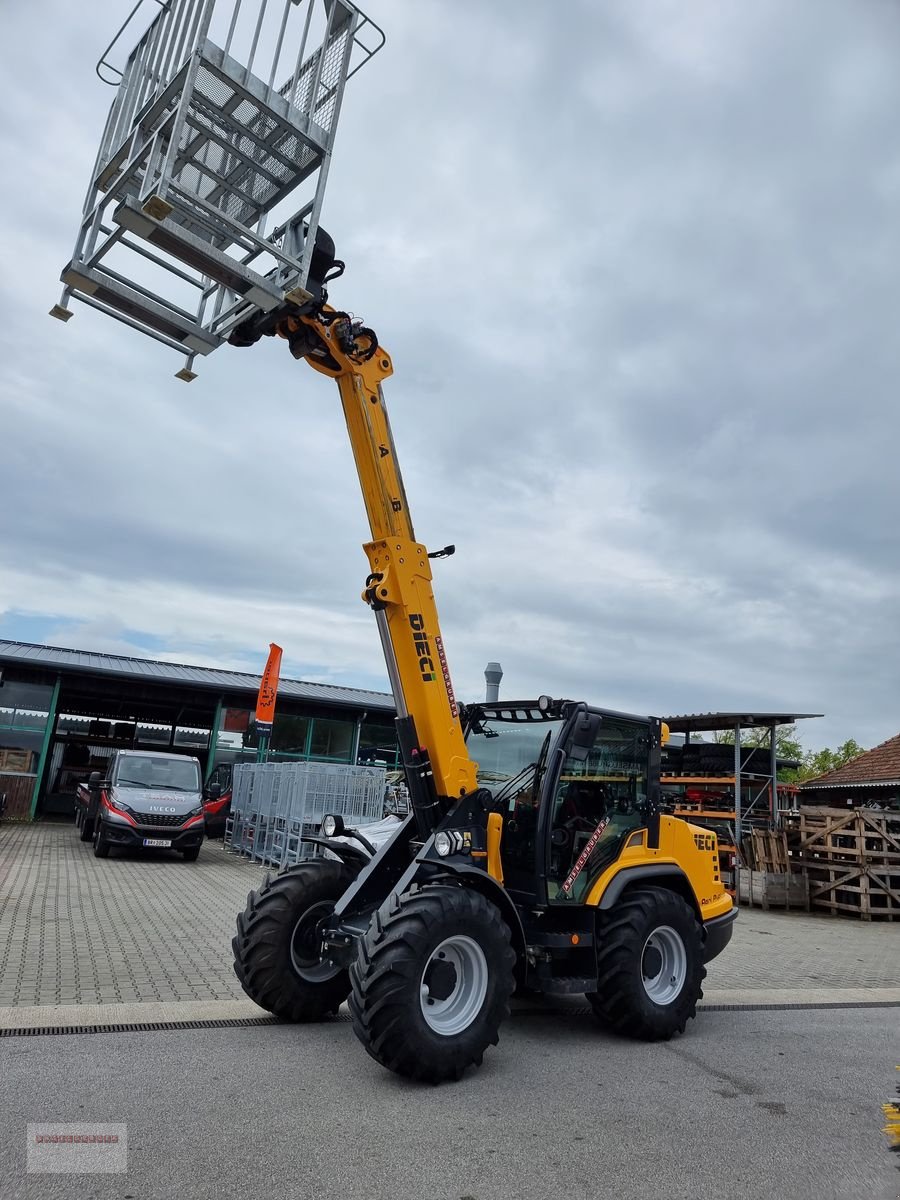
{"points": [[422, 645]]}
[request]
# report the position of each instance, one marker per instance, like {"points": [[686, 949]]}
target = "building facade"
{"points": [[64, 712]]}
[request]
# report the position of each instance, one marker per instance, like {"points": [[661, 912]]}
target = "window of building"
{"points": [[332, 739], [378, 744], [290, 734], [24, 705]]}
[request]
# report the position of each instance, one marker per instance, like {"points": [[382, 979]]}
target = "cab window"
{"points": [[600, 799]]}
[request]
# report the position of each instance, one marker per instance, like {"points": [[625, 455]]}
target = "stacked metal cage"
{"points": [[274, 805], [222, 109]]}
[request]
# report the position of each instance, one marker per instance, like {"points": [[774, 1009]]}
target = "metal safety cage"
{"points": [[223, 109], [275, 805]]}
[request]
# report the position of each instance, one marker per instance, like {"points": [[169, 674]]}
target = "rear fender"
{"points": [[666, 875]]}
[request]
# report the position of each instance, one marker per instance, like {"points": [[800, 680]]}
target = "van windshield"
{"points": [[171, 774]]}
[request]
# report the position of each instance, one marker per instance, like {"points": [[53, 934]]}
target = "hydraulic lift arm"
{"points": [[398, 587]]}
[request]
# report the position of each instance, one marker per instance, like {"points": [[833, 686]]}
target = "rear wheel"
{"points": [[277, 946], [432, 982], [84, 826], [101, 842], [650, 965]]}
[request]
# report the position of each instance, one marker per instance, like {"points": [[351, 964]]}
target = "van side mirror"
{"points": [[214, 791], [94, 779], [584, 735]]}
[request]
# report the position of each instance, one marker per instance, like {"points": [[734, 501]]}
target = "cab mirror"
{"points": [[94, 779], [214, 791], [584, 735]]}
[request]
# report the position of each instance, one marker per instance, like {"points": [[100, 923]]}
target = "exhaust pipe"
{"points": [[493, 673]]}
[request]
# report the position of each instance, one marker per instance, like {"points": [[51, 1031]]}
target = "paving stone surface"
{"points": [[131, 927], [75, 929]]}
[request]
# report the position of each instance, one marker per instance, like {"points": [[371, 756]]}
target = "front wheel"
{"points": [[649, 965], [432, 982], [191, 855], [277, 946]]}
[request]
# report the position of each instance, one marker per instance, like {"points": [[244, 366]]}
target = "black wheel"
{"points": [[191, 855], [101, 843], [276, 948], [432, 982], [84, 826], [650, 965]]}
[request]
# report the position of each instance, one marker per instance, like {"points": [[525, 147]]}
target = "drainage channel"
{"points": [[143, 1026], [253, 1022]]}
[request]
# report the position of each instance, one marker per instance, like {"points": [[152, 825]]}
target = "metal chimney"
{"points": [[493, 673]]}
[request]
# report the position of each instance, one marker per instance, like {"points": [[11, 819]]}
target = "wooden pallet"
{"points": [[768, 851], [851, 859], [774, 889]]}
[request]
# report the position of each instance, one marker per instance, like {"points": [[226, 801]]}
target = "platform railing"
{"points": [[222, 109]]}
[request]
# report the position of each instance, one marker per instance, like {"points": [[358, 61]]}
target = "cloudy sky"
{"points": [[637, 265]]}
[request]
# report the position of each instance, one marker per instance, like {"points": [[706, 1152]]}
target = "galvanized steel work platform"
{"points": [[223, 110]]}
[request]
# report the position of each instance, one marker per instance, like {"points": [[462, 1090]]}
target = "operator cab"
{"points": [[573, 783]]}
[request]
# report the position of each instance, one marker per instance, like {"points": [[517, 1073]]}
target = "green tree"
{"points": [[817, 762], [757, 737]]}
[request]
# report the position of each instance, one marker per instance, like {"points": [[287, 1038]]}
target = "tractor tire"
{"points": [[275, 954], [649, 965], [432, 982]]}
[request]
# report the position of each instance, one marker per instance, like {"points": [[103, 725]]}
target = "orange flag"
{"points": [[268, 690]]}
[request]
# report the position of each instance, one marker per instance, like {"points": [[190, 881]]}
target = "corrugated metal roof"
{"points": [[690, 722], [149, 670]]}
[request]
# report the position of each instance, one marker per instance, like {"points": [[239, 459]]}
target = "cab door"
{"points": [[601, 793]]}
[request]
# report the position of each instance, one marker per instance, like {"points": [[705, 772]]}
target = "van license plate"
{"points": [[161, 842]]}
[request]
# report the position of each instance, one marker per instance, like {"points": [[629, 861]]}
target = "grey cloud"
{"points": [[635, 266]]}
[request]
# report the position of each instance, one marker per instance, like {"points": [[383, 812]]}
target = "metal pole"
{"points": [[354, 750], [45, 746], [737, 801], [262, 748], [773, 762]]}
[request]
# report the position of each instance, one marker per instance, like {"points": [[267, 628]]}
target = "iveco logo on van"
{"points": [[163, 808]]}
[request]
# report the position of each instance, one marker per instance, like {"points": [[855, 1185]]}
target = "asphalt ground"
{"points": [[780, 1104]]}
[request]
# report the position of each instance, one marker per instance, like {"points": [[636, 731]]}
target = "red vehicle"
{"points": [[217, 800]]}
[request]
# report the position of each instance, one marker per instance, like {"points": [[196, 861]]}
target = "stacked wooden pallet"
{"points": [[767, 878], [851, 859]]}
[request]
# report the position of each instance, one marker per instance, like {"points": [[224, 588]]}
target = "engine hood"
{"points": [[159, 802]]}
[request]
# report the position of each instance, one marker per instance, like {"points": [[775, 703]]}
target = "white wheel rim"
{"points": [[663, 965], [457, 964]]}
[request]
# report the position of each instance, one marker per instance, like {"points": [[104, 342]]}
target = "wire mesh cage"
{"points": [[224, 117], [275, 805]]}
